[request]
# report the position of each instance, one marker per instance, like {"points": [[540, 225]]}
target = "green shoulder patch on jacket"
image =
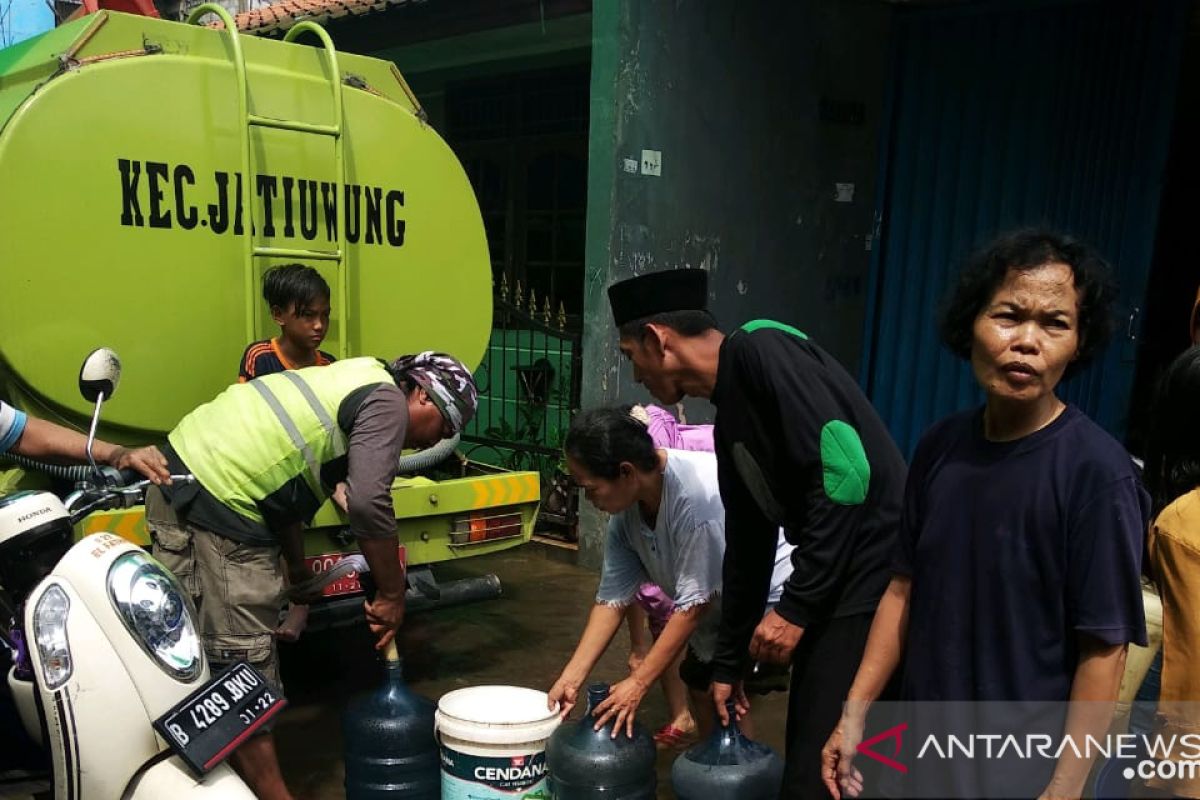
{"points": [[759, 324], [847, 472]]}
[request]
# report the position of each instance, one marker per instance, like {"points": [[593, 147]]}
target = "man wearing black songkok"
{"points": [[799, 446]]}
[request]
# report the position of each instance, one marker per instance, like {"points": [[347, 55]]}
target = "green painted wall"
{"points": [[758, 110], [504, 407], [599, 340]]}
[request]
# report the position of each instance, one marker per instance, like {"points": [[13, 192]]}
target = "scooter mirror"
{"points": [[99, 375]]}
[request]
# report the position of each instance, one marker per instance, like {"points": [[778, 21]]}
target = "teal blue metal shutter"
{"points": [[1005, 115]]}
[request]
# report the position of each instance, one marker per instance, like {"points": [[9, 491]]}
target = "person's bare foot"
{"points": [[293, 624]]}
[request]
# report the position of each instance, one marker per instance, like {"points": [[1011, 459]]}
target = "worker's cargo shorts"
{"points": [[238, 589]]}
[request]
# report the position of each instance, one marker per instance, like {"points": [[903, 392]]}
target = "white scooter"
{"points": [[109, 673]]}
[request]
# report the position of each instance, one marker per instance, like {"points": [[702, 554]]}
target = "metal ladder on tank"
{"points": [[335, 131]]}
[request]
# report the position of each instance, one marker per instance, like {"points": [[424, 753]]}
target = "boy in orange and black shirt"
{"points": [[299, 301]]}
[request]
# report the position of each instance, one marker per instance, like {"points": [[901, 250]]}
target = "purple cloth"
{"points": [[666, 431], [22, 664], [658, 607]]}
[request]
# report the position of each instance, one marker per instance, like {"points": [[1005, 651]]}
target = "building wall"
{"points": [[759, 111]]}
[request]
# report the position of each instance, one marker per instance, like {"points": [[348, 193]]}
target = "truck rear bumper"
{"points": [[345, 611]]}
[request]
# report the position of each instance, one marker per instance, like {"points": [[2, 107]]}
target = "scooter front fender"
{"points": [[97, 729], [171, 778]]}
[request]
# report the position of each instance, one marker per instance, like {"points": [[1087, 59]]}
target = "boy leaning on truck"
{"points": [[299, 301]]}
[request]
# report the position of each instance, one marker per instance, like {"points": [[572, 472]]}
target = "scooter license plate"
{"points": [[210, 724], [347, 584]]}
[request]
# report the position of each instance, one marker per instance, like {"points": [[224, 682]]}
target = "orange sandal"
{"points": [[668, 737]]}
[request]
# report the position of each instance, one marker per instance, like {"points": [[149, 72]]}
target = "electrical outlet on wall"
{"points": [[652, 162]]}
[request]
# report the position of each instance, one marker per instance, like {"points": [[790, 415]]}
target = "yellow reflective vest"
{"points": [[255, 437]]}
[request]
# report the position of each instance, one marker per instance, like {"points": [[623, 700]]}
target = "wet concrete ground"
{"points": [[523, 639]]}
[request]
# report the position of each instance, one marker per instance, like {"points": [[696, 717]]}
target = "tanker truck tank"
{"points": [[124, 221], [151, 171]]}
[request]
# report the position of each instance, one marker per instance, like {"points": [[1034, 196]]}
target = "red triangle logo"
{"points": [[890, 733]]}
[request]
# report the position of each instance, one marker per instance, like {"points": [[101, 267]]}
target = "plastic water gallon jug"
{"points": [[389, 745], [584, 764], [727, 766]]}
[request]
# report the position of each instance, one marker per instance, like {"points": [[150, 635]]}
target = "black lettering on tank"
{"points": [[218, 212], [395, 229], [237, 212], [381, 220], [157, 171], [308, 209], [353, 224], [185, 215], [289, 225], [268, 187], [329, 202], [374, 214], [131, 209]]}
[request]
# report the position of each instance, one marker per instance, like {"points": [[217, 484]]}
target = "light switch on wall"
{"points": [[652, 162]]}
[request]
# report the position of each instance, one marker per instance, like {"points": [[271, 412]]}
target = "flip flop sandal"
{"points": [[668, 737]]}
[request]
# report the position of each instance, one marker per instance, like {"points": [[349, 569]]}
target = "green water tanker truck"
{"points": [[151, 171]]}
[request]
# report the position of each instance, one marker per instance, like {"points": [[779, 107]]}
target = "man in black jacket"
{"points": [[799, 446]]}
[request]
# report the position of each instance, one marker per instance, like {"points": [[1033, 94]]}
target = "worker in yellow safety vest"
{"points": [[266, 454]]}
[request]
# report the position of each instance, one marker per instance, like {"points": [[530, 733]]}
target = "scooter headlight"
{"points": [[50, 633], [153, 608]]}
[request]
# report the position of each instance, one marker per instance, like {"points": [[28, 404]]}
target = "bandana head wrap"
{"points": [[446, 380]]}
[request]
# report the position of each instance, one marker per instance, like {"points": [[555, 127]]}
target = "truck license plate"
{"points": [[347, 584], [210, 724]]}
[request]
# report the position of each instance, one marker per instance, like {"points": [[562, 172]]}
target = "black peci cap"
{"points": [[658, 293]]}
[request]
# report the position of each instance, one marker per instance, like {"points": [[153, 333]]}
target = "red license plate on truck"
{"points": [[348, 584]]}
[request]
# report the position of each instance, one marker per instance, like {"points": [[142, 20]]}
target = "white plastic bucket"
{"points": [[493, 743]]}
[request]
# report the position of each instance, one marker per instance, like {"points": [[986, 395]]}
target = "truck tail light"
{"points": [[485, 526]]}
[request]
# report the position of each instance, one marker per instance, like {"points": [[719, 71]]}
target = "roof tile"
{"points": [[282, 15]]}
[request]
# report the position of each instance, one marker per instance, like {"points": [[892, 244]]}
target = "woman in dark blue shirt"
{"points": [[1016, 576]]}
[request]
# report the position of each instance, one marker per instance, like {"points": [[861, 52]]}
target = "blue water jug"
{"points": [[389, 744], [584, 764], [728, 766]]}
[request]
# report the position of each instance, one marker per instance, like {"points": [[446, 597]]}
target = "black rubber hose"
{"points": [[416, 462], [73, 473]]}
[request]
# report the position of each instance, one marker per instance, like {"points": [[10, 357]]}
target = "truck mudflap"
{"points": [[437, 520]]}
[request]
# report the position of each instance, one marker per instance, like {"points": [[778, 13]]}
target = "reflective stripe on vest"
{"points": [[339, 443], [310, 458], [255, 437]]}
